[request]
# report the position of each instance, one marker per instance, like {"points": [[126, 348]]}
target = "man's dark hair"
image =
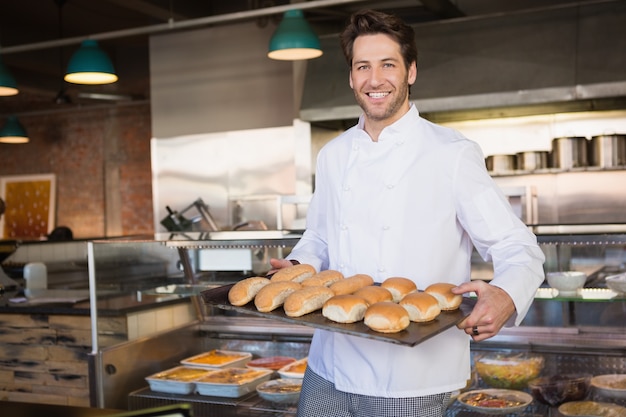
{"points": [[372, 22]]}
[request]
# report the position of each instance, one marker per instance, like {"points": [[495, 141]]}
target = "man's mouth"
{"points": [[378, 94]]}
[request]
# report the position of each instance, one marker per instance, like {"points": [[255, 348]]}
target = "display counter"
{"points": [[585, 332], [581, 333], [47, 338]]}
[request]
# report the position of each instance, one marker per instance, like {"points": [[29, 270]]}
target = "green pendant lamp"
{"points": [[8, 86], [90, 65], [294, 39], [13, 131]]}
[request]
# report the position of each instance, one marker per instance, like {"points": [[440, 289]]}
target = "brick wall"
{"points": [[101, 159]]}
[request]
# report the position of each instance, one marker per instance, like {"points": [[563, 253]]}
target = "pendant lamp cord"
{"points": [[60, 4]]}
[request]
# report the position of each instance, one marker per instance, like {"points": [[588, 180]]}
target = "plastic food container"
{"points": [[558, 389], [511, 371]]}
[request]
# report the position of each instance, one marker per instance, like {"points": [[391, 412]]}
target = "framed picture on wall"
{"points": [[30, 202]]}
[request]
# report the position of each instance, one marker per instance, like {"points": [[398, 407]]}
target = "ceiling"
{"points": [[37, 37]]}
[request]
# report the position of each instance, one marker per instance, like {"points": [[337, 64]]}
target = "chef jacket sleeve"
{"points": [[497, 233]]}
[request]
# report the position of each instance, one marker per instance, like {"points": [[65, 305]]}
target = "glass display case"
{"points": [[585, 332], [144, 290]]}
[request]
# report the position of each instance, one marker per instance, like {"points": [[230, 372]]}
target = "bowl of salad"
{"points": [[508, 370]]}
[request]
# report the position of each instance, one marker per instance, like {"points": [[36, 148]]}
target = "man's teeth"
{"points": [[377, 95]]}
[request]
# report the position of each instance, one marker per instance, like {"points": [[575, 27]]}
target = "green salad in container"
{"points": [[510, 371]]}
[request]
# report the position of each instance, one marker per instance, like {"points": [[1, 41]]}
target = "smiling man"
{"points": [[398, 196], [380, 80]]}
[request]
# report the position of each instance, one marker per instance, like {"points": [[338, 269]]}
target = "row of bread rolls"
{"points": [[299, 289], [388, 307]]}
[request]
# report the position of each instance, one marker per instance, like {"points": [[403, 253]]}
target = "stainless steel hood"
{"points": [[565, 58]]}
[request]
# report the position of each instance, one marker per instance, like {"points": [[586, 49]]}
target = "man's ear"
{"points": [[412, 75], [350, 79]]}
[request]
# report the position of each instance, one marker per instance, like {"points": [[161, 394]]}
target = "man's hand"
{"points": [[277, 264], [492, 310]]}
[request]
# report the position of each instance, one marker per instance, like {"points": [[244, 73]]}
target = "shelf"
{"points": [[584, 294]]}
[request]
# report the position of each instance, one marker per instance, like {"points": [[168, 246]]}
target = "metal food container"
{"points": [[608, 151], [569, 152], [531, 160], [499, 164]]}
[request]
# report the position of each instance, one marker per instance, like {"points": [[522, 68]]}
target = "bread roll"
{"points": [[324, 278], [351, 284], [442, 292], [296, 273], [345, 308], [399, 287], [421, 306], [306, 300], [373, 294], [386, 317], [245, 290], [273, 295]]}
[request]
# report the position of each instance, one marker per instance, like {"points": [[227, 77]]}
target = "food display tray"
{"points": [[171, 382], [416, 332], [238, 359], [236, 389]]}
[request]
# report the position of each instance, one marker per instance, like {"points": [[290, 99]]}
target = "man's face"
{"points": [[379, 78]]}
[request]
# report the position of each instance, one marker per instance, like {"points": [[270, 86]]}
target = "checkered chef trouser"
{"points": [[319, 398]]}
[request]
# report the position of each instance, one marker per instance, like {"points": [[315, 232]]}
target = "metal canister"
{"points": [[608, 150], [531, 160], [569, 152], [500, 164]]}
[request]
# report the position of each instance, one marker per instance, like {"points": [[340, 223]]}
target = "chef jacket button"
{"points": [[381, 269], [344, 227], [390, 186], [346, 188], [385, 227]]}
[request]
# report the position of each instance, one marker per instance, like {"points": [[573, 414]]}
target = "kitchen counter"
{"points": [[108, 305]]}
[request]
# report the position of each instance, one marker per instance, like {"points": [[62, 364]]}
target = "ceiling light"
{"points": [[13, 131], [90, 65], [8, 86], [294, 39]]}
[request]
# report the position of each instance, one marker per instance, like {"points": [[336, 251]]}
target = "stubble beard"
{"points": [[378, 114]]}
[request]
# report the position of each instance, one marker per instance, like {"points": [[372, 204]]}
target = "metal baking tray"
{"points": [[416, 332]]}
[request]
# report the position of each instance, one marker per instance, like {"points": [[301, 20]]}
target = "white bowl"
{"points": [[294, 370], [610, 386], [617, 283], [481, 401], [282, 391], [568, 282]]}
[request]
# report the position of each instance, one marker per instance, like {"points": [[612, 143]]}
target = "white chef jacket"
{"points": [[413, 205]]}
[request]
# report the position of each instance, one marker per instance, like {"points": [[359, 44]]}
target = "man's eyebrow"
{"points": [[366, 61]]}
